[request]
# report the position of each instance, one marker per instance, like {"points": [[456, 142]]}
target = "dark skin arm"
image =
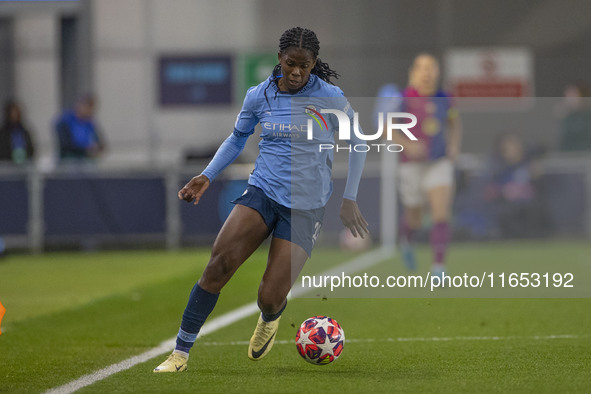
{"points": [[194, 189], [353, 219]]}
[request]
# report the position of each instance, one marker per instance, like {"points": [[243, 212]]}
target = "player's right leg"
{"points": [[440, 199], [439, 183], [294, 236], [286, 260], [412, 198], [240, 236]]}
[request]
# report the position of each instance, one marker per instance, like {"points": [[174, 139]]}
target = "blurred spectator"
{"points": [[16, 145], [78, 134], [512, 187], [576, 123]]}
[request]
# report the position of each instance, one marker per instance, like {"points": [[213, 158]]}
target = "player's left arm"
{"points": [[454, 134], [351, 215]]}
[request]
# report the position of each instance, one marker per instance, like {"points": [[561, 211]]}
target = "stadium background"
{"points": [[54, 51], [86, 281]]}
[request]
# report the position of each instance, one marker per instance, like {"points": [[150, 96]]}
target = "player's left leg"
{"points": [[242, 233], [410, 178], [440, 199], [439, 184], [285, 261]]}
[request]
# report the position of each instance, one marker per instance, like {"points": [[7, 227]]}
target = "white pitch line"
{"points": [[364, 261], [412, 339]]}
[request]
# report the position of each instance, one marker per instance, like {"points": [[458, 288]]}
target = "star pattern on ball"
{"points": [[320, 340], [304, 339], [324, 324], [327, 347]]}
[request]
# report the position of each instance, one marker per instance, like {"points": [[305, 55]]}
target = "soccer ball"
{"points": [[320, 340]]}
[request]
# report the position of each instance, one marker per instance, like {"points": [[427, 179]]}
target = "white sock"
{"points": [[184, 354]]}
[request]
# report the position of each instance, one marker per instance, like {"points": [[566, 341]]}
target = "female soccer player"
{"points": [[426, 168], [287, 192]]}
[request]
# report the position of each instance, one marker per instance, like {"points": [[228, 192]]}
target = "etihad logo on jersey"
{"points": [[390, 118], [285, 127], [294, 131], [286, 130]]}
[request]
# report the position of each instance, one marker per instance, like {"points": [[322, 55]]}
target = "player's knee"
{"points": [[220, 269], [413, 220], [442, 218], [440, 215]]}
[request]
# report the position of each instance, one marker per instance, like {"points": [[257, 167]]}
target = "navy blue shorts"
{"points": [[295, 225]]}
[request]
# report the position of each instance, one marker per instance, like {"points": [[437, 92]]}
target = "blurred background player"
{"points": [[426, 174], [16, 145], [389, 99], [78, 134], [269, 205]]}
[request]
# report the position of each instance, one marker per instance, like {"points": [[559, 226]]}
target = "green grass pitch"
{"points": [[70, 314]]}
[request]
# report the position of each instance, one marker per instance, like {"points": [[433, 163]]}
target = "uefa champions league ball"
{"points": [[320, 340]]}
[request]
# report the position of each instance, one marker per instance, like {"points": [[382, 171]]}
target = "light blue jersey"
{"points": [[291, 169]]}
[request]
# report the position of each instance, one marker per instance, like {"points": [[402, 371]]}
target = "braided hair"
{"points": [[299, 37]]}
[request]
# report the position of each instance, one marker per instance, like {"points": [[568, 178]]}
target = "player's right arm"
{"points": [[194, 189], [226, 153]]}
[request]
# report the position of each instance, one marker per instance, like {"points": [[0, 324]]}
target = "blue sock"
{"points": [[268, 318], [200, 305]]}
